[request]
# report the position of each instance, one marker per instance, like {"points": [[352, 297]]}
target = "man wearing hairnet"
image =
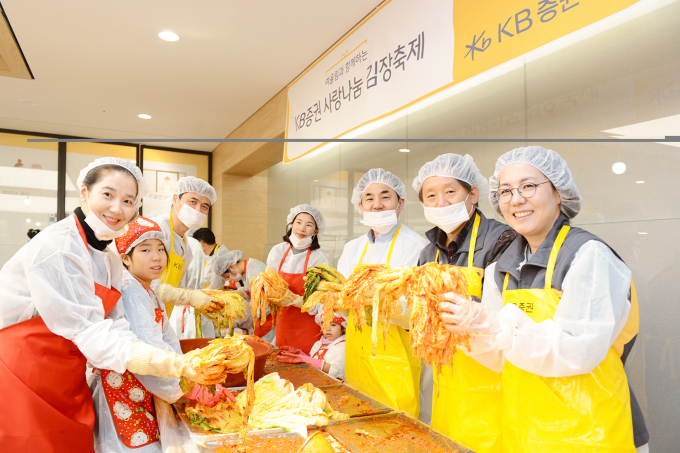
{"points": [[469, 400], [393, 375], [209, 250], [190, 207], [232, 266], [559, 316]]}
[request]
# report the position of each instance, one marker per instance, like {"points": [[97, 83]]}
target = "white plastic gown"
{"points": [[591, 314], [139, 305], [195, 272], [407, 248], [53, 276], [295, 262], [163, 221], [335, 356]]}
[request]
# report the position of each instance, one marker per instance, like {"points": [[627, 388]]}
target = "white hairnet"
{"points": [[551, 165], [311, 210], [377, 175], [142, 186], [455, 166], [195, 185], [222, 261]]}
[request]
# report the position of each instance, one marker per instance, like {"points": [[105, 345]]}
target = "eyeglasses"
{"points": [[526, 190]]}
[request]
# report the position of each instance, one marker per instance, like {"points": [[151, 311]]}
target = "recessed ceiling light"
{"points": [[404, 150], [28, 220], [619, 168], [37, 223], [28, 102], [316, 180], [642, 232], [168, 36], [144, 116], [27, 200], [639, 182]]}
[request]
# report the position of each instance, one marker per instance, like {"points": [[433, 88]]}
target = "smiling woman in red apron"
{"points": [[299, 251], [58, 306], [559, 316]]}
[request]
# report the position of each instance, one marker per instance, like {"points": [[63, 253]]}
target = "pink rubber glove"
{"points": [[203, 396], [300, 358]]}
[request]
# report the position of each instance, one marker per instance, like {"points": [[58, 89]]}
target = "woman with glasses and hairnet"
{"points": [[468, 405], [559, 316], [59, 311], [299, 251], [393, 375]]}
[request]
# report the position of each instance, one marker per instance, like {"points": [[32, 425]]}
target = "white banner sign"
{"points": [[402, 52]]}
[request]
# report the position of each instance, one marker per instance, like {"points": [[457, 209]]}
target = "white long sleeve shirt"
{"points": [[53, 276]]}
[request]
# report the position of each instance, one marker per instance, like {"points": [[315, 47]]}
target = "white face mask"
{"points": [[449, 217], [190, 217], [101, 230], [300, 243], [381, 221], [238, 278]]}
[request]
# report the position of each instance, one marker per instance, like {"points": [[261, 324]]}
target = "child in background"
{"points": [[126, 417], [327, 354]]}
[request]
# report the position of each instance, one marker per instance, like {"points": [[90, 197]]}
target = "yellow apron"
{"points": [[584, 413], [173, 272], [391, 376], [205, 264], [467, 401]]}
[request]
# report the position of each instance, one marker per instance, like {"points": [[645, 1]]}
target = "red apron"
{"points": [[48, 404], [294, 328]]}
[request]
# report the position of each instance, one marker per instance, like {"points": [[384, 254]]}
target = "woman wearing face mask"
{"points": [[468, 407], [393, 375], [299, 251], [59, 311], [190, 207], [233, 267], [558, 316]]}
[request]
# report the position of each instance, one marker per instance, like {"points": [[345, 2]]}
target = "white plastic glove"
{"points": [[403, 319], [461, 315], [182, 296], [147, 359], [297, 301]]}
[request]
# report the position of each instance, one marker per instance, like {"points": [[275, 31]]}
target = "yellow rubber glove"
{"points": [[182, 296], [147, 359]]}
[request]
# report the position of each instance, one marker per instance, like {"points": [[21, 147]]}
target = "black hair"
{"points": [[206, 235], [32, 233], [465, 185], [97, 174], [129, 253], [289, 230]]}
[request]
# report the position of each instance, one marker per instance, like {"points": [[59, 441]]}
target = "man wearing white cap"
{"points": [[190, 207], [392, 376]]}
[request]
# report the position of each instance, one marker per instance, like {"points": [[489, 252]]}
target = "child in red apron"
{"points": [[124, 406], [328, 353]]}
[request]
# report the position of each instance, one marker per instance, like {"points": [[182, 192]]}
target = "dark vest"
{"points": [[487, 237], [532, 275]]}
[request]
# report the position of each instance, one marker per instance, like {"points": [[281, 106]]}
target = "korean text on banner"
{"points": [[502, 30], [400, 53]]}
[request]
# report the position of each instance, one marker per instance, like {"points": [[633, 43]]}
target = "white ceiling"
{"points": [[97, 65]]}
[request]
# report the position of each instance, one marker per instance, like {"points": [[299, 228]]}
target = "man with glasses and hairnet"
{"points": [[392, 375]]}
